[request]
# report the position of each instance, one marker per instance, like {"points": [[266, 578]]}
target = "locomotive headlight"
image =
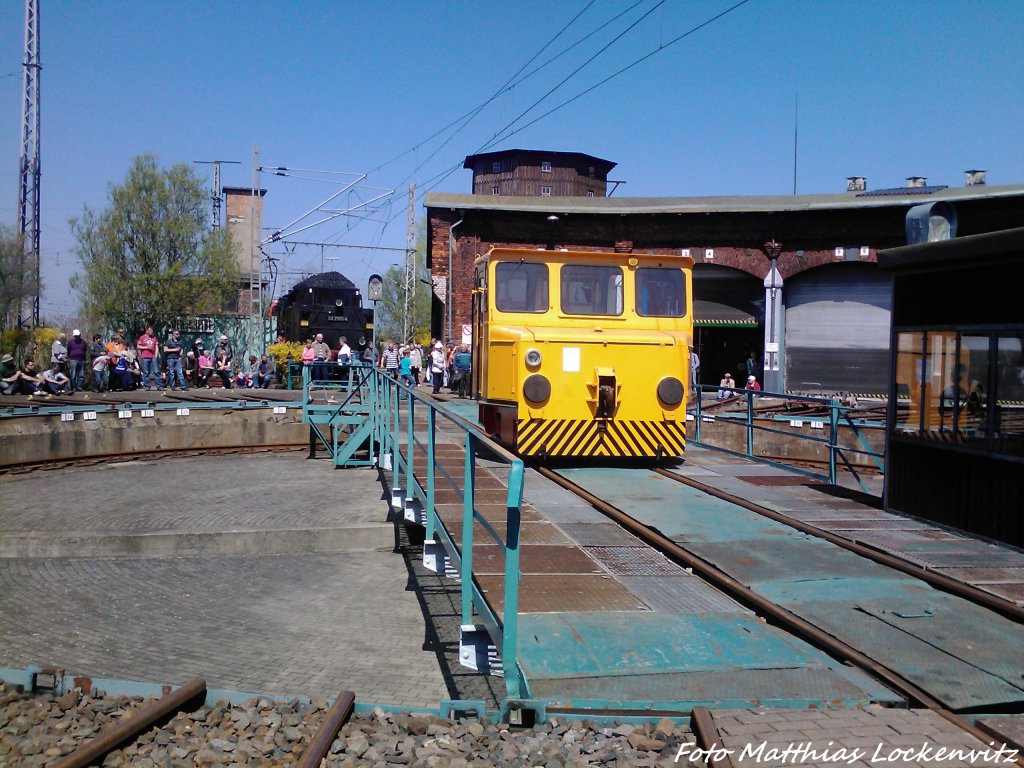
{"points": [[536, 388], [670, 390], [533, 357]]}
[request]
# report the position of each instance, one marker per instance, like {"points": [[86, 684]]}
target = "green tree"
{"points": [[391, 308], [151, 255], [17, 278]]}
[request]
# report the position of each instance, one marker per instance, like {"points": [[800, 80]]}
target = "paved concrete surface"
{"points": [[303, 624]]}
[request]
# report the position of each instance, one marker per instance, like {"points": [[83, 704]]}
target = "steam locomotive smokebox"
{"points": [[327, 303]]}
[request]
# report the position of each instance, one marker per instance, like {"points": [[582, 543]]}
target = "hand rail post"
{"points": [[409, 446], [750, 422], [697, 416], [467, 533], [510, 611], [431, 512], [833, 439]]}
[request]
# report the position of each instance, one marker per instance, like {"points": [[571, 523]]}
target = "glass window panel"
{"points": [[939, 393], [591, 290], [1009, 396], [660, 292], [521, 287], [909, 374], [970, 376]]}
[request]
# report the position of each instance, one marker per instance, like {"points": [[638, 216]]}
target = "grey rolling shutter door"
{"points": [[837, 329]]}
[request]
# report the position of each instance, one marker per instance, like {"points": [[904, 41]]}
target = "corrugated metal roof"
{"points": [[724, 204]]}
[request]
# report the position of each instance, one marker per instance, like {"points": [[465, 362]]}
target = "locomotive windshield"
{"points": [[591, 290], [660, 292], [520, 286]]}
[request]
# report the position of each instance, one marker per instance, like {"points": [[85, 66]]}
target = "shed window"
{"points": [[545, 191], [660, 292], [590, 193], [495, 190], [520, 287], [545, 166], [496, 167], [591, 289]]}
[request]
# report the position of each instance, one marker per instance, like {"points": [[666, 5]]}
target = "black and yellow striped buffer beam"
{"points": [[600, 437]]}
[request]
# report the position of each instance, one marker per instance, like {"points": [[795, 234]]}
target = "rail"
{"points": [[829, 415], [422, 459]]}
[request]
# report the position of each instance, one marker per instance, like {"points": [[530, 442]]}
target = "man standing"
{"points": [[389, 360], [437, 366], [172, 351], [462, 363], [59, 352], [321, 354], [77, 349], [148, 347]]}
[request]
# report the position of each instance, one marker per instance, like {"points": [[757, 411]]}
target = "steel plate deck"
{"points": [[964, 655], [667, 660]]}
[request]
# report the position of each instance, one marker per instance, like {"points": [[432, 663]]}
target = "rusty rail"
{"points": [[710, 740], [129, 728], [325, 735]]}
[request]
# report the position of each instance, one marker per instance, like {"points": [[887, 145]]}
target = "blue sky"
{"points": [[886, 90]]}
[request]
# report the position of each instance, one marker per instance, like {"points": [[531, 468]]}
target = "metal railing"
{"points": [[405, 430], [738, 409]]}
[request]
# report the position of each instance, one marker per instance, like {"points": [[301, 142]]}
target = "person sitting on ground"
{"points": [[727, 381], [9, 375], [29, 379], [752, 383], [205, 369], [121, 377], [224, 368], [191, 368], [265, 372], [55, 382], [242, 379], [253, 371]]}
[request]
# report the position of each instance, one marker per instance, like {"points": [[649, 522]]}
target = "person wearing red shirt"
{"points": [[148, 347], [752, 384]]}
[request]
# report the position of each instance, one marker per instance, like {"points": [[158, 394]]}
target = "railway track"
{"points": [[103, 458], [778, 614]]}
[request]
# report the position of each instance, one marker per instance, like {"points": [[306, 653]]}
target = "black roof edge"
{"points": [[552, 153], [919, 255]]}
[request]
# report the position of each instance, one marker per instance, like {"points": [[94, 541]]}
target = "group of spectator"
{"points": [[438, 365], [118, 365]]}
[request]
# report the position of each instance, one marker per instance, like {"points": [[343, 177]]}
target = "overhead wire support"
{"points": [[409, 295], [215, 192], [30, 164]]}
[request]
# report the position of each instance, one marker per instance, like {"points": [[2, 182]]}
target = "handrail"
{"points": [[837, 413], [395, 407]]}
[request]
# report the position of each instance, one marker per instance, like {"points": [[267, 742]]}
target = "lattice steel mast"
{"points": [[409, 296], [28, 196]]}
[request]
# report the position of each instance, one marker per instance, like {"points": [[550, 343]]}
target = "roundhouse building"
{"points": [[790, 281]]}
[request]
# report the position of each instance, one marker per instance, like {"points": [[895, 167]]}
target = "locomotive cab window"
{"points": [[660, 292], [520, 286], [591, 290]]}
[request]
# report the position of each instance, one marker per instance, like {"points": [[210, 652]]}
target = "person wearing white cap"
{"points": [[437, 362], [77, 349]]}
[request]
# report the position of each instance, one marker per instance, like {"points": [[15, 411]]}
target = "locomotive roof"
{"points": [[326, 280]]}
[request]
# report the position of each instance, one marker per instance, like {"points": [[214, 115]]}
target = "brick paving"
{"points": [[875, 736], [269, 623]]}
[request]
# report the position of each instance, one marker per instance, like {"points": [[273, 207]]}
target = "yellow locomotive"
{"points": [[583, 353]]}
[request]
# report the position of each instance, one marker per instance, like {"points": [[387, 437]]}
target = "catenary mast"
{"points": [[28, 194]]}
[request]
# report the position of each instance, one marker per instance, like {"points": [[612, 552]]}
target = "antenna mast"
{"points": [[28, 195], [215, 192]]}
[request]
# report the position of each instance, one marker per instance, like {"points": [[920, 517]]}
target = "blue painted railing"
{"points": [[393, 409], [738, 410]]}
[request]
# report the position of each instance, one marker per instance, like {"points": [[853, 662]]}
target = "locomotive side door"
{"points": [[479, 313]]}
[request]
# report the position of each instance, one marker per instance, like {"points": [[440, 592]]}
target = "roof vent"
{"points": [[856, 183], [916, 181], [974, 177]]}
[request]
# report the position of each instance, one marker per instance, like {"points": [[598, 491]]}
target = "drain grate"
{"points": [[634, 561]]}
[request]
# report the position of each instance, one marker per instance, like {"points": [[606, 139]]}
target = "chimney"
{"points": [[856, 183], [916, 181], [974, 177]]}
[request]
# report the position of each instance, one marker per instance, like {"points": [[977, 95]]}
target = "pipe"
{"points": [[325, 735], [125, 730], [449, 309]]}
